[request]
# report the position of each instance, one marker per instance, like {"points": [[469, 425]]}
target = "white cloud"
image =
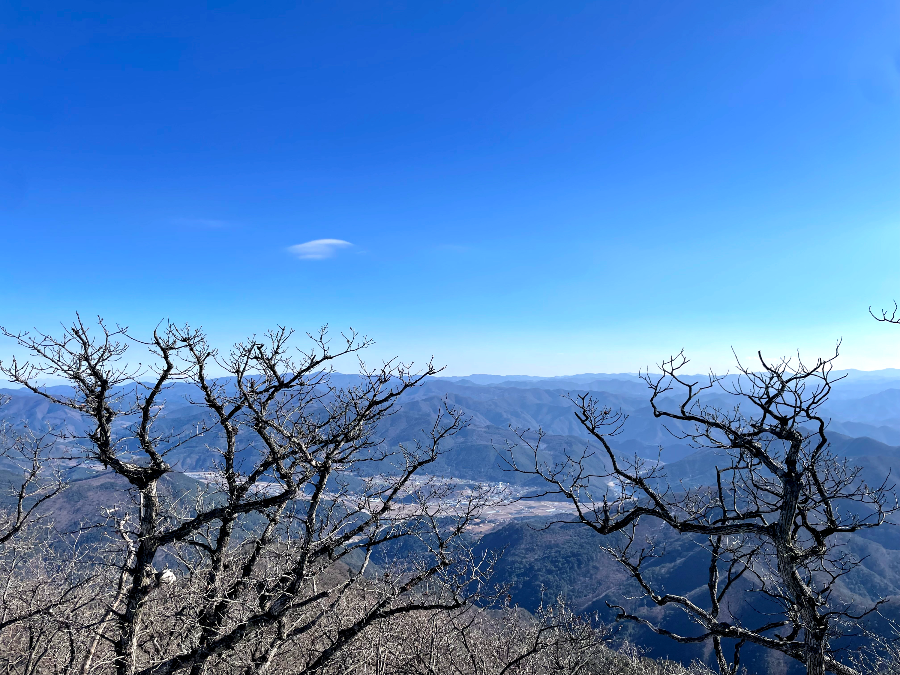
{"points": [[317, 249]]}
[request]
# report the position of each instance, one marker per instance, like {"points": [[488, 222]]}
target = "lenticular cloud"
{"points": [[317, 249]]}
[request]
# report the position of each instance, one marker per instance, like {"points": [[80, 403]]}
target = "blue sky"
{"points": [[528, 187]]}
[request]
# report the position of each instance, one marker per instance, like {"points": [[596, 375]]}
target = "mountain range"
{"points": [[864, 412]]}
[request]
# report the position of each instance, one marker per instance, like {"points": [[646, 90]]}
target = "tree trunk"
{"points": [[787, 556], [141, 581], [815, 653]]}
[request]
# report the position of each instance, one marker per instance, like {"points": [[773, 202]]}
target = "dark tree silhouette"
{"points": [[775, 518], [288, 444]]}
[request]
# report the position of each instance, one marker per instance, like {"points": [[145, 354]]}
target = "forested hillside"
{"points": [[541, 560]]}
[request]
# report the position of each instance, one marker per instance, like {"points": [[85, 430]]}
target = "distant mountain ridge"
{"points": [[498, 405]]}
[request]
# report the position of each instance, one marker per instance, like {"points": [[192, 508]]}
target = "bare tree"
{"points": [[501, 641], [43, 589], [775, 520], [289, 500], [48, 603], [29, 478], [884, 317], [32, 478]]}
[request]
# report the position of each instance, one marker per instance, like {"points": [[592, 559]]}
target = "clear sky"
{"points": [[515, 187]]}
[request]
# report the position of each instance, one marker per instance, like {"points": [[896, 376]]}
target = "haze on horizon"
{"points": [[538, 189]]}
